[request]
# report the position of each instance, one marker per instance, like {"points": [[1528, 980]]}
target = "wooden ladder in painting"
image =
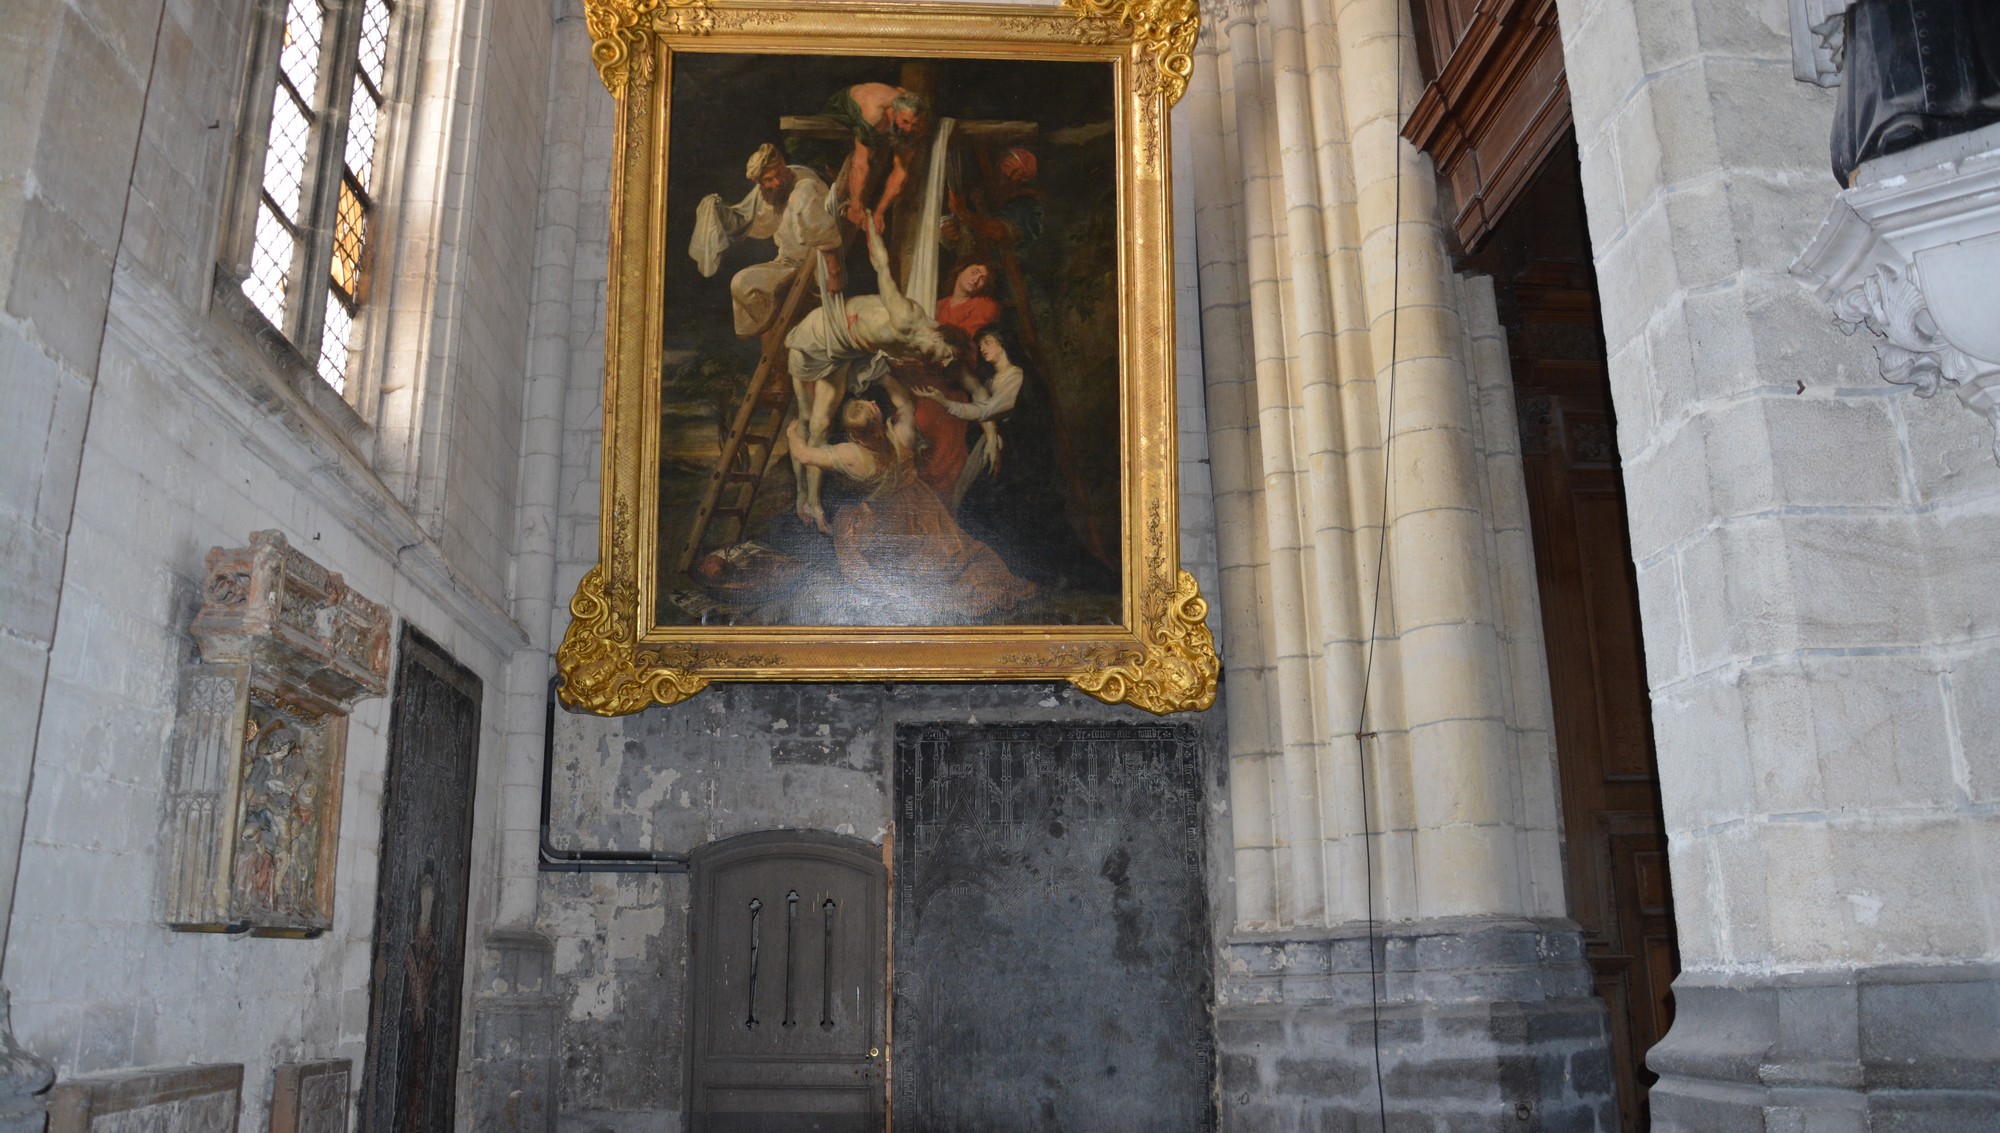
{"points": [[753, 435]]}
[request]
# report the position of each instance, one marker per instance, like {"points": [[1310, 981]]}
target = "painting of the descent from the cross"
{"points": [[890, 344]]}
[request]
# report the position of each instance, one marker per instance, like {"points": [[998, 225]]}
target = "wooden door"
{"points": [[1614, 835], [411, 1074], [786, 1028]]}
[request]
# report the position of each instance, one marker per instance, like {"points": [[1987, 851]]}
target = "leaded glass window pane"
{"points": [[333, 346], [300, 219]]}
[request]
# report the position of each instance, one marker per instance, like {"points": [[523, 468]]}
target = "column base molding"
{"points": [[1916, 1050], [1485, 1024], [24, 1079]]}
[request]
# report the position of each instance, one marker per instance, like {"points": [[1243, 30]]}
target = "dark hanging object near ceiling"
{"points": [[1916, 71]]}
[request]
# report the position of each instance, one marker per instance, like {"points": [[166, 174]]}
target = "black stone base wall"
{"points": [[1485, 1025], [1871, 1050], [514, 1020]]}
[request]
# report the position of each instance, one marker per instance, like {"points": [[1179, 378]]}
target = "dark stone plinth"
{"points": [[1483, 1024], [514, 1035], [23, 1080], [1914, 1049]]}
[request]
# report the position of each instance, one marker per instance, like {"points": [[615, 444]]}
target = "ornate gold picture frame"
{"points": [[889, 358]]}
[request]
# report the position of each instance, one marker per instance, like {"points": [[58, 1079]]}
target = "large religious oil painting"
{"points": [[888, 388]]}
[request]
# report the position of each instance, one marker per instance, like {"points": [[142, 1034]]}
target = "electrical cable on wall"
{"points": [[1361, 733], [555, 859]]}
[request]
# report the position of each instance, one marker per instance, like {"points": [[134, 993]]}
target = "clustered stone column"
{"points": [[1335, 335]]}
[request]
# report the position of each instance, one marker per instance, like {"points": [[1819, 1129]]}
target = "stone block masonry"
{"points": [[181, 1099], [1812, 553], [1484, 1025], [736, 758], [148, 421]]}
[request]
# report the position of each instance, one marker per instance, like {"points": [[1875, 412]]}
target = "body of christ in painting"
{"points": [[890, 347]]}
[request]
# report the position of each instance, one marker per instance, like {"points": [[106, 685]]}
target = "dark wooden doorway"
{"points": [[788, 961], [411, 1073], [1615, 843], [1052, 961]]}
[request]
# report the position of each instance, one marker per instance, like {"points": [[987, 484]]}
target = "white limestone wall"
{"points": [[64, 162], [181, 430], [1324, 278], [1815, 548], [511, 102]]}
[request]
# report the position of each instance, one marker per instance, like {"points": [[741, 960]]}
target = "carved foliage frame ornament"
{"points": [[613, 660]]}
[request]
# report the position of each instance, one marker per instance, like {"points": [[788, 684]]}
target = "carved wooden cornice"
{"points": [[1498, 105]]}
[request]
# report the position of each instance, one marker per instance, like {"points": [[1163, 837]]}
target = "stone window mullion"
{"points": [[306, 305], [253, 141]]}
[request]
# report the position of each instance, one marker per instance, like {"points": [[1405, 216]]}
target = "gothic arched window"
{"points": [[309, 183]]}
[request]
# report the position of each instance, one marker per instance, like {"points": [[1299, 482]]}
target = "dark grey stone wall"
{"points": [[513, 1066], [1486, 1025], [1908, 1050], [734, 759]]}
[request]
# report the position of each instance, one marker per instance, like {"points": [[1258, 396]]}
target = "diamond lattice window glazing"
{"points": [[308, 256]]}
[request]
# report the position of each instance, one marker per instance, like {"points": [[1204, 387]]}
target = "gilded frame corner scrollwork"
{"points": [[614, 658]]}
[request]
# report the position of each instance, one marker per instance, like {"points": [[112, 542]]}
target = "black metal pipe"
{"points": [[555, 859]]}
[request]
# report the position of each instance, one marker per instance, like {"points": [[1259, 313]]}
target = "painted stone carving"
{"points": [[259, 748], [311, 1097], [1911, 71], [175, 1099]]}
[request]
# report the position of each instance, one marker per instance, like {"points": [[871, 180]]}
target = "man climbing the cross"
{"points": [[887, 122], [847, 344]]}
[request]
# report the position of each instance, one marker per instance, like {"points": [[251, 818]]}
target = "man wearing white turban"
{"points": [[787, 206]]}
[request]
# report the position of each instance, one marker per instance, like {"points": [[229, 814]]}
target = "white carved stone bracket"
{"points": [[1819, 40], [1912, 253]]}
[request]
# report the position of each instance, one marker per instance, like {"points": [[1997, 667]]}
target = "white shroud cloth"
{"points": [[920, 270]]}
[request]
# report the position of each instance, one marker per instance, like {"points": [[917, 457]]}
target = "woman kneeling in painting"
{"points": [[898, 545]]}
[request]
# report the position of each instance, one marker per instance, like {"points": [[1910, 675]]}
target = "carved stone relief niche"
{"points": [[253, 794]]}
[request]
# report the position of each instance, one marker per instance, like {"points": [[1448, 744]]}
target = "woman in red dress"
{"points": [[971, 308]]}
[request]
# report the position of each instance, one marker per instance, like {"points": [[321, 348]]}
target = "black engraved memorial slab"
{"points": [[1051, 966], [410, 1077]]}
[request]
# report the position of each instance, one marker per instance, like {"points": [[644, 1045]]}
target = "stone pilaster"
{"points": [[1371, 516], [1340, 353], [1814, 555]]}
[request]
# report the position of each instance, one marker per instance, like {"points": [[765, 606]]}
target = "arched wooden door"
{"points": [[786, 978]]}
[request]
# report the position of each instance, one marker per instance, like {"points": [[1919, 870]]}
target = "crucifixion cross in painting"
{"points": [[896, 147]]}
